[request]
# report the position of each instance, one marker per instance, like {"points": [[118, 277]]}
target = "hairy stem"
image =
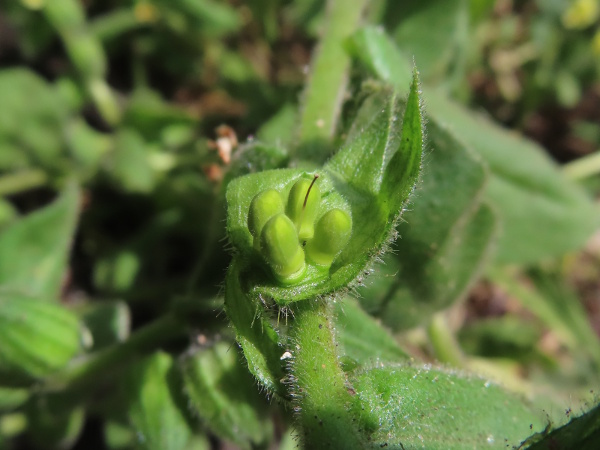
{"points": [[322, 394]]}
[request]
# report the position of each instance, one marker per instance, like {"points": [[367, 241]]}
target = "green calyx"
{"points": [[280, 237]]}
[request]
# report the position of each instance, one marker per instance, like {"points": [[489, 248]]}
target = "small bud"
{"points": [[303, 205], [331, 235], [263, 207], [279, 245]]}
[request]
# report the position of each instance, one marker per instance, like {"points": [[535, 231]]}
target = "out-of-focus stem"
{"points": [[326, 85]]}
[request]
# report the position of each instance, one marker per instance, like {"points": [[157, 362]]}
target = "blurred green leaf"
{"points": [[37, 337], [424, 407], [151, 388], [363, 341], [151, 116], [34, 250], [30, 132], [211, 17], [507, 336], [430, 32], [129, 164], [534, 201], [222, 394]]}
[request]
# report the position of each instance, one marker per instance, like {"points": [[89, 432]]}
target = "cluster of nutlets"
{"points": [[286, 235]]}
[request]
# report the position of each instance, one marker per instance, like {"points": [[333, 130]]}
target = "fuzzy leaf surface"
{"points": [[444, 238], [534, 201], [362, 339], [422, 407]]}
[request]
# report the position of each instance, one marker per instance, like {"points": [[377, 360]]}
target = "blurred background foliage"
{"points": [[121, 123]]}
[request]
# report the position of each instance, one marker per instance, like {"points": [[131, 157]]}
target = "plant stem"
{"points": [[326, 85], [322, 394], [443, 341], [583, 167], [98, 365], [13, 183]]}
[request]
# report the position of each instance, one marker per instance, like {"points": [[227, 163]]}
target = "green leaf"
{"points": [[362, 340], [506, 336], [37, 337], [424, 407], [34, 249], [223, 395], [129, 164], [431, 32], [213, 18], [534, 201], [445, 237], [34, 128], [582, 433], [254, 333], [151, 389]]}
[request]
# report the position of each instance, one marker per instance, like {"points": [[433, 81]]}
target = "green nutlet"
{"points": [[303, 205], [263, 207], [331, 235], [280, 248]]}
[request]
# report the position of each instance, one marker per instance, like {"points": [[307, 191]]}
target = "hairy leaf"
{"points": [[424, 407], [534, 201], [444, 238]]}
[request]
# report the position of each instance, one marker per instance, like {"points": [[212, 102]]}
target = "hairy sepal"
{"points": [[371, 178]]}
